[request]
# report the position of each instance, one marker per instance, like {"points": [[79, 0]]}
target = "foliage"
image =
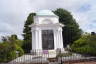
{"points": [[71, 31], [8, 48], [64, 54], [14, 39], [85, 45], [20, 50], [27, 33], [5, 52], [11, 55]]}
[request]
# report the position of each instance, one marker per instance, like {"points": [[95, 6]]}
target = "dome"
{"points": [[45, 12]]}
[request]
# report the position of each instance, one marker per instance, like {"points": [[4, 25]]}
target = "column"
{"points": [[55, 39], [33, 40], [58, 38], [38, 39], [61, 38], [59, 43]]}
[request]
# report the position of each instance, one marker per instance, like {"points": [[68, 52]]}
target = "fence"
{"points": [[49, 57]]}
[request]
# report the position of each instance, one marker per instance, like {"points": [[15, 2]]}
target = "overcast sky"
{"points": [[13, 13]]}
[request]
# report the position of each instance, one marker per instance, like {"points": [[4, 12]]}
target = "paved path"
{"points": [[91, 62]]}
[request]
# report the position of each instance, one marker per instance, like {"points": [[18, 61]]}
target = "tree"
{"points": [[85, 45], [8, 48], [71, 31], [27, 33], [93, 33], [14, 36]]}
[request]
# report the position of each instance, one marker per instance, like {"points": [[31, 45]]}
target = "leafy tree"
{"points": [[93, 33], [8, 52], [14, 36], [8, 49], [14, 39], [27, 33], [4, 39], [85, 45], [5, 50], [71, 31]]}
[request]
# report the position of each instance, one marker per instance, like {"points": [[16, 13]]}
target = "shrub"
{"points": [[20, 50], [8, 52], [11, 55], [85, 45], [64, 54]]}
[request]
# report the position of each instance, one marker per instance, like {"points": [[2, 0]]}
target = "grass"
{"points": [[64, 54]]}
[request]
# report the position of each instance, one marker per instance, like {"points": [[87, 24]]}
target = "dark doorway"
{"points": [[47, 39]]}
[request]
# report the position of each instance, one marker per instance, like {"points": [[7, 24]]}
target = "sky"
{"points": [[13, 13]]}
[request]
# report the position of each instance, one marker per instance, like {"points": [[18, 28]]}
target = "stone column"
{"points": [[61, 41], [38, 42], [38, 39], [61, 38], [33, 41], [55, 39], [58, 38]]}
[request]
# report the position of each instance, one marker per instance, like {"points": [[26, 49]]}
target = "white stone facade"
{"points": [[46, 22]]}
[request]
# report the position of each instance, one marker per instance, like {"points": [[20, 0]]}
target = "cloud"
{"points": [[84, 8], [87, 17], [13, 13]]}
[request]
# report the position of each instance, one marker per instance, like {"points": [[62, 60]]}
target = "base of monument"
{"points": [[48, 53]]}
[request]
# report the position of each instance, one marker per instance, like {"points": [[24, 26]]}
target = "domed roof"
{"points": [[45, 12]]}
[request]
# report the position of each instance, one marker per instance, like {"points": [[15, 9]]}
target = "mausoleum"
{"points": [[46, 31]]}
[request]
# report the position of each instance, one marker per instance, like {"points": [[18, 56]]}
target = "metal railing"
{"points": [[49, 57]]}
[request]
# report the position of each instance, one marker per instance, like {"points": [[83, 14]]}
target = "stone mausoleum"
{"points": [[46, 31]]}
